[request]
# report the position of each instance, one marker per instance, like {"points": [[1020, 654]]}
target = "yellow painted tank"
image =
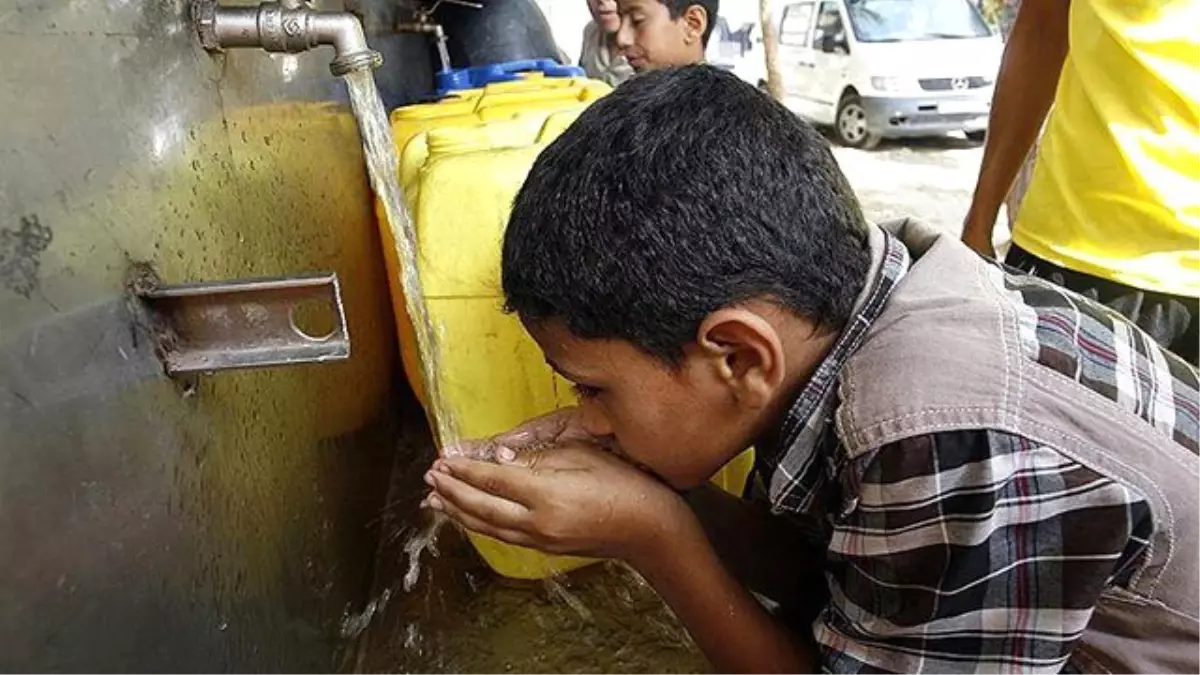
{"points": [[461, 172]]}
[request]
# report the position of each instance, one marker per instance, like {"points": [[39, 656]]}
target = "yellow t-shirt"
{"points": [[1116, 189]]}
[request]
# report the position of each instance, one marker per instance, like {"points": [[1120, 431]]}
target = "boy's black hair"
{"points": [[676, 8], [682, 192]]}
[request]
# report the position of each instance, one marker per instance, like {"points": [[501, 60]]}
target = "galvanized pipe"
{"points": [[429, 28], [290, 27]]}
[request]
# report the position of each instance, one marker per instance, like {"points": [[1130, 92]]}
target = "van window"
{"points": [[829, 22], [906, 20], [794, 28]]}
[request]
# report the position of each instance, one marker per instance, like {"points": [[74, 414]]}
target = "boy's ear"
{"points": [[745, 353], [695, 22]]}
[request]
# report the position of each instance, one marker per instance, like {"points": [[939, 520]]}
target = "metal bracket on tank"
{"points": [[244, 324]]}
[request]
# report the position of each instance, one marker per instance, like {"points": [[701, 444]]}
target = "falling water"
{"points": [[443, 55], [383, 165]]}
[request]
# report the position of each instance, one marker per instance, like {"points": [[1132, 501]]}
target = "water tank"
{"points": [[500, 30]]}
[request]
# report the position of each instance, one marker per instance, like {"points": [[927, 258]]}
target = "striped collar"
{"points": [[796, 470]]}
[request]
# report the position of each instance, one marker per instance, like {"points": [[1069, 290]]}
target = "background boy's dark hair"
{"points": [[677, 7], [682, 192]]}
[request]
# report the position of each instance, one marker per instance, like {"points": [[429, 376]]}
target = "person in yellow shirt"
{"points": [[1112, 210]]}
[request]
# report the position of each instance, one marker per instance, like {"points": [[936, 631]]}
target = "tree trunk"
{"points": [[770, 50]]}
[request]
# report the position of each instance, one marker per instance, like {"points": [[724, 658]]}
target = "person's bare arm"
{"points": [[1029, 72], [727, 623], [766, 553]]}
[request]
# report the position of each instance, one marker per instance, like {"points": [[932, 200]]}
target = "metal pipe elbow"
{"points": [[344, 33], [289, 27]]}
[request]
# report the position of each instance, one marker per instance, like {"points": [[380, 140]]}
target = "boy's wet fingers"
{"points": [[478, 503], [511, 481], [525, 459], [506, 454], [481, 526]]}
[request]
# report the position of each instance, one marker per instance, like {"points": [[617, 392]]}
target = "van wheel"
{"points": [[850, 126], [977, 136]]}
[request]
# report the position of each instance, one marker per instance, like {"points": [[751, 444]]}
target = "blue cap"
{"points": [[473, 78]]}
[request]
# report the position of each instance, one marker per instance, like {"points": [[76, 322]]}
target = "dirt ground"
{"points": [[930, 179]]}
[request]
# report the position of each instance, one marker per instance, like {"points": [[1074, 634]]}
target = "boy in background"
{"points": [[600, 57], [663, 33], [995, 474]]}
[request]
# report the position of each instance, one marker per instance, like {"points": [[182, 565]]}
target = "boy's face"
{"points": [[683, 424], [649, 38], [604, 13]]}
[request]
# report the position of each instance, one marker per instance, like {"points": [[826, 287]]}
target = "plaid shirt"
{"points": [[977, 550]]}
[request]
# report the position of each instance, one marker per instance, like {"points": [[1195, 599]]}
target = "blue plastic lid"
{"points": [[479, 76]]}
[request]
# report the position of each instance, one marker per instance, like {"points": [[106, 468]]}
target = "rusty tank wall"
{"points": [[146, 525]]}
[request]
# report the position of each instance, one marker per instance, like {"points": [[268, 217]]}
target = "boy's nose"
{"points": [[594, 421], [624, 37]]}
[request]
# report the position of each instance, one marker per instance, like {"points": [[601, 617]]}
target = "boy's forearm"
{"points": [[727, 623], [765, 552], [1025, 88]]}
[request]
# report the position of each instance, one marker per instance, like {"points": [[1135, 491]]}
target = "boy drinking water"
{"points": [[995, 474], [663, 33]]}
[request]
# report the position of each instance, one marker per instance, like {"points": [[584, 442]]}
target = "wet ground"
{"points": [[460, 617]]}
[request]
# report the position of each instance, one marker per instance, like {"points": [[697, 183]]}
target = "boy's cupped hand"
{"points": [[573, 498], [550, 429]]}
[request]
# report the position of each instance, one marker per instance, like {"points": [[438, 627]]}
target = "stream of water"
{"points": [[383, 165]]}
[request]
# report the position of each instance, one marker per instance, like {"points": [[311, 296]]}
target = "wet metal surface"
{"points": [[144, 525], [149, 525]]}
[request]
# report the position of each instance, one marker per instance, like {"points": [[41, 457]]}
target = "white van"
{"points": [[736, 42], [876, 69]]}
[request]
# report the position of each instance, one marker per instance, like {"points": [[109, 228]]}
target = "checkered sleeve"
{"points": [[972, 552]]}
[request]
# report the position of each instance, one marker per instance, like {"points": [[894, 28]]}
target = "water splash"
{"points": [[354, 624], [412, 637], [379, 148], [423, 540], [558, 590]]}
